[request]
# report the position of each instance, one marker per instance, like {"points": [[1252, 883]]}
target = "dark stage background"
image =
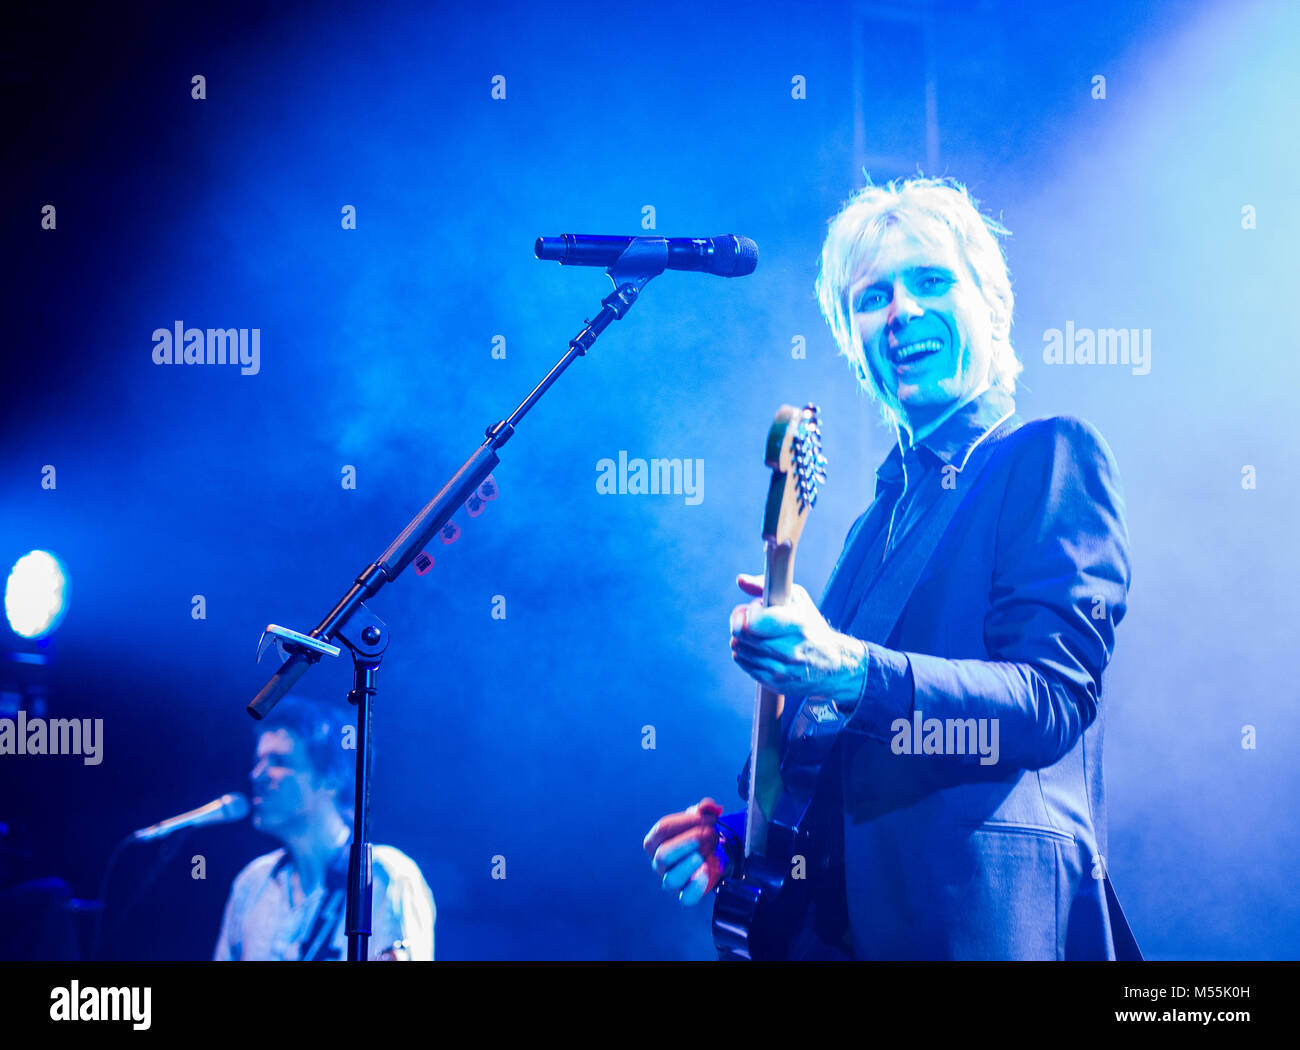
{"points": [[522, 737]]}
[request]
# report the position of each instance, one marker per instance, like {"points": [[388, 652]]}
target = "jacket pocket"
{"points": [[1011, 827]]}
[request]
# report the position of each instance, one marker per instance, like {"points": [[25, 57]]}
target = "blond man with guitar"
{"points": [[975, 604]]}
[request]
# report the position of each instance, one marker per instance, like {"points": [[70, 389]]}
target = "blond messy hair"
{"points": [[924, 205]]}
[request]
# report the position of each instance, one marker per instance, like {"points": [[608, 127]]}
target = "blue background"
{"points": [[522, 737]]}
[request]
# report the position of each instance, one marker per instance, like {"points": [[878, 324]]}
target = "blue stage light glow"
{"points": [[36, 594]]}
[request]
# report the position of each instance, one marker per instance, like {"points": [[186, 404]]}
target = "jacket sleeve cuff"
{"points": [[887, 694]]}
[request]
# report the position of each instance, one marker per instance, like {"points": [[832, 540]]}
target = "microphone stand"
{"points": [[164, 855], [366, 636]]}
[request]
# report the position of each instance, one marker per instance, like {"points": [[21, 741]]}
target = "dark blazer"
{"points": [[1011, 624]]}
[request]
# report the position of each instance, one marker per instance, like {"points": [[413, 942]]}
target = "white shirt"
{"points": [[261, 922]]}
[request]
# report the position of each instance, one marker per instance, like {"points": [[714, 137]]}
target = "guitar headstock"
{"points": [[794, 452]]}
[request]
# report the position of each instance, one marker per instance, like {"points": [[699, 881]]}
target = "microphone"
{"points": [[219, 811], [729, 256]]}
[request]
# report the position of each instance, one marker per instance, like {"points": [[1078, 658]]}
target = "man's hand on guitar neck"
{"points": [[683, 849], [791, 649]]}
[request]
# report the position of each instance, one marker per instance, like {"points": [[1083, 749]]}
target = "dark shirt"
{"points": [[911, 480]]}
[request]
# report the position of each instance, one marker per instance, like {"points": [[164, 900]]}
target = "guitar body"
{"points": [[760, 909], [757, 915]]}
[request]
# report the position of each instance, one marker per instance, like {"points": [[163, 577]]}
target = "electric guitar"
{"points": [[759, 908]]}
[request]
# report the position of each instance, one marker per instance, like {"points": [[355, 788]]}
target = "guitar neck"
{"points": [[765, 740]]}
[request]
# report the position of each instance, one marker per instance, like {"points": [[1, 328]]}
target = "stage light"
{"points": [[36, 594]]}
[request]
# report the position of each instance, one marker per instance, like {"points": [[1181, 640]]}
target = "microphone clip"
{"points": [[643, 258]]}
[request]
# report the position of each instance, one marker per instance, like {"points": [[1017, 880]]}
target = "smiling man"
{"points": [[979, 592], [291, 904]]}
